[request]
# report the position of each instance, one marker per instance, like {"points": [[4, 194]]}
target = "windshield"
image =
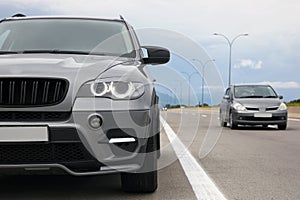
{"points": [[66, 35], [256, 91]]}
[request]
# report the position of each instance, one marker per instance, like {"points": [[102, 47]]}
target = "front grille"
{"points": [[43, 153], [34, 116], [23, 92], [250, 118], [272, 108], [252, 108]]}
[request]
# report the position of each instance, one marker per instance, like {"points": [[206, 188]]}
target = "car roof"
{"points": [[251, 85], [23, 17]]}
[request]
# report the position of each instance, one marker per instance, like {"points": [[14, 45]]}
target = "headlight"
{"points": [[122, 90], [99, 88], [117, 89], [239, 107], [282, 106]]}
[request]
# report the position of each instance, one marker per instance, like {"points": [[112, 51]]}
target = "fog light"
{"points": [[95, 121]]}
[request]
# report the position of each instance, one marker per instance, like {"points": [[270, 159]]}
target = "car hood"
{"points": [[56, 65], [77, 69], [259, 102]]}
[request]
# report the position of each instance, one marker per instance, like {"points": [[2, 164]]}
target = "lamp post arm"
{"points": [[190, 76], [240, 35], [230, 49], [226, 38]]}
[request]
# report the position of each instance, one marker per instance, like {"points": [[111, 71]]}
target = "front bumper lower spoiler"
{"points": [[48, 167]]}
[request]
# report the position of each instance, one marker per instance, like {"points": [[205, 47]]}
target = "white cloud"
{"points": [[275, 39], [280, 85], [283, 85], [198, 18], [248, 63]]}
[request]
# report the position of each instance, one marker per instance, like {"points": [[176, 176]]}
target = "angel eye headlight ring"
{"points": [[117, 90], [121, 89], [99, 88]]}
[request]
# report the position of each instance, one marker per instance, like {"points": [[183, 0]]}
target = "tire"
{"points": [[222, 122], [282, 126], [145, 179], [233, 125], [158, 145]]}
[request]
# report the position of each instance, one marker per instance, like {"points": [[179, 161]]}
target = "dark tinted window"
{"points": [[107, 37], [254, 91]]}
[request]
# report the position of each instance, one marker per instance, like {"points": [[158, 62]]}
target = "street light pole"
{"points": [[180, 87], [230, 50], [203, 68], [189, 78]]}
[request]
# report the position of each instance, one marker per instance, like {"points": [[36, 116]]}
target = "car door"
{"points": [[227, 103], [223, 106]]}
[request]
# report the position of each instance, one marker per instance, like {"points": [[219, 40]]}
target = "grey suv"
{"points": [[252, 105], [76, 97]]}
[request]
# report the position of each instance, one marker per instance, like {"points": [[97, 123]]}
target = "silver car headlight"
{"points": [[282, 107], [239, 107], [117, 89]]}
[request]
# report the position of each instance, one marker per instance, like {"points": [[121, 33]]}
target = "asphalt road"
{"points": [[249, 163], [173, 184]]}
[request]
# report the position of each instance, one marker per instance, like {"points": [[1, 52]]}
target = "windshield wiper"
{"points": [[270, 96], [252, 96], [56, 51], [9, 52]]}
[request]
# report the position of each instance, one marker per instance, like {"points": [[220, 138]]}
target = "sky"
{"points": [[268, 55]]}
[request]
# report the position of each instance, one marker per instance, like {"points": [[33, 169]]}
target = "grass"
{"points": [[293, 104]]}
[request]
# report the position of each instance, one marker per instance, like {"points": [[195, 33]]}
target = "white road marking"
{"points": [[296, 120], [204, 116], [203, 187]]}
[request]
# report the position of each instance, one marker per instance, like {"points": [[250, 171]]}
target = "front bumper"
{"points": [[249, 118], [79, 149]]}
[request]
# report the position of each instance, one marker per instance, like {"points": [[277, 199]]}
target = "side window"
{"points": [[3, 37]]}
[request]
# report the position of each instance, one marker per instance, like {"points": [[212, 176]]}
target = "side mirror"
{"points": [[280, 97], [156, 55], [226, 97]]}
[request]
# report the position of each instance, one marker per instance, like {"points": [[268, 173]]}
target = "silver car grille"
{"points": [[27, 92], [252, 108], [273, 108]]}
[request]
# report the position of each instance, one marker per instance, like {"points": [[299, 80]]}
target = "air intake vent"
{"points": [[34, 116], [272, 108], [23, 92], [42, 153]]}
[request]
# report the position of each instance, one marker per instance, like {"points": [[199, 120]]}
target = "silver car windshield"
{"points": [[256, 91], [82, 36]]}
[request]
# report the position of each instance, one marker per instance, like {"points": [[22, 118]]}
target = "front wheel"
{"points": [[282, 126], [139, 182], [222, 122], [233, 124], [145, 179]]}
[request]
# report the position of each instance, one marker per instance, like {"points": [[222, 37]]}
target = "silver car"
{"points": [[252, 105], [76, 96]]}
